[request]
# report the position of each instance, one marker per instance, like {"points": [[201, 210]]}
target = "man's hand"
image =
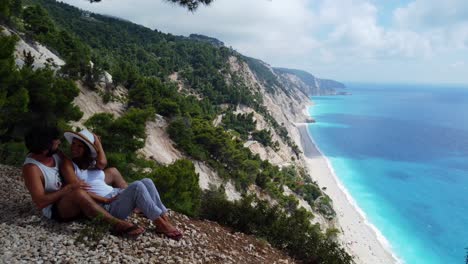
{"points": [[80, 184], [110, 200]]}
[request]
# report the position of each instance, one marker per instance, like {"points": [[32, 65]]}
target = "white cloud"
{"points": [[431, 14], [458, 64], [355, 33], [443, 23]]}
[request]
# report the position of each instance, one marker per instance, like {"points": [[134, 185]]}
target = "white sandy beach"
{"points": [[358, 236]]}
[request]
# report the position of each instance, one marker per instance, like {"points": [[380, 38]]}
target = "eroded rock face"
{"points": [[208, 178], [158, 145], [42, 56], [27, 237], [90, 102]]}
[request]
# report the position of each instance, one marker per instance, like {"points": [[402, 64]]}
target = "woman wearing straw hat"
{"points": [[88, 162]]}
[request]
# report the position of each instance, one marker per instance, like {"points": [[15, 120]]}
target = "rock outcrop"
{"points": [[90, 102]]}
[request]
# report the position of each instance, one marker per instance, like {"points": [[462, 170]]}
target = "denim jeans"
{"points": [[140, 194]]}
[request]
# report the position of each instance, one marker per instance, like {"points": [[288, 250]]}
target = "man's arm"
{"points": [[32, 178], [100, 199]]}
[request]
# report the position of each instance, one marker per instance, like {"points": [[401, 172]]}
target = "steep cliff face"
{"points": [[286, 108], [279, 157], [308, 83], [287, 104]]}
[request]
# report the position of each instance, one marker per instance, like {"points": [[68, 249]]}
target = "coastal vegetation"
{"points": [[142, 60], [291, 232]]}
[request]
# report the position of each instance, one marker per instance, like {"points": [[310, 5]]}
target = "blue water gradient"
{"points": [[402, 153]]}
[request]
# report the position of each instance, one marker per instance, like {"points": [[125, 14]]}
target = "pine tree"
{"points": [[5, 10], [28, 59], [191, 5], [16, 8]]}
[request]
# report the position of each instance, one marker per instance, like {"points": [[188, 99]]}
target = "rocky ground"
{"points": [[27, 237]]}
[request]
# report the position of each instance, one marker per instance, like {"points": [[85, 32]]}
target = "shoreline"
{"points": [[357, 235]]}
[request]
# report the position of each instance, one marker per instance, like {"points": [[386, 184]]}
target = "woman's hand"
{"points": [[97, 142], [101, 160]]}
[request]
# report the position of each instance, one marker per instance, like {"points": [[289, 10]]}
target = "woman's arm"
{"points": [[68, 171], [101, 159], [32, 178]]}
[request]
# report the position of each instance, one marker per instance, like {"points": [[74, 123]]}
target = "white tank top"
{"points": [[95, 179], [52, 179]]}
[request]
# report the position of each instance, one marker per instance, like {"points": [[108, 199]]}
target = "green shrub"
{"points": [[263, 136], [12, 153], [178, 186], [242, 123], [106, 97], [125, 134], [324, 206]]}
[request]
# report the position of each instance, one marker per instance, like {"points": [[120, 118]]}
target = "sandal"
{"points": [[138, 212], [176, 234], [128, 232]]}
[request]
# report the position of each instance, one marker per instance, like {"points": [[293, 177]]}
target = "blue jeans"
{"points": [[140, 194]]}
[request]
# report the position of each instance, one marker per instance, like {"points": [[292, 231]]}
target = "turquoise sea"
{"points": [[402, 153]]}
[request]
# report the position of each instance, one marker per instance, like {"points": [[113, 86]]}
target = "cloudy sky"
{"points": [[399, 41]]}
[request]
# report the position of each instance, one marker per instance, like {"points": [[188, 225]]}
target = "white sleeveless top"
{"points": [[52, 179], [96, 180]]}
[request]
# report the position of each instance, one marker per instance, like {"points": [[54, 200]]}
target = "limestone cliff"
{"points": [[287, 104]]}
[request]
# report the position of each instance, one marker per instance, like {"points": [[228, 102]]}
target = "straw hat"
{"points": [[85, 136]]}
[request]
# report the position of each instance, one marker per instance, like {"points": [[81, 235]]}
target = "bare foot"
{"points": [[165, 216], [166, 228]]}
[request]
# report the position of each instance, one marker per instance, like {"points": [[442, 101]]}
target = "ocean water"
{"points": [[402, 153]]}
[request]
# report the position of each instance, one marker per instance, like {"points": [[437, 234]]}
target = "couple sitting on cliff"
{"points": [[88, 189]]}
